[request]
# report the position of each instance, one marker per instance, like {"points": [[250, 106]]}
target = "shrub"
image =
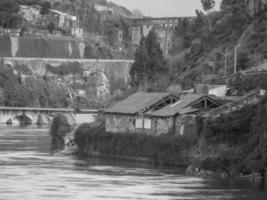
{"points": [[163, 149]]}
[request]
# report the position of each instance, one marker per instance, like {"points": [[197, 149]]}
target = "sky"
{"points": [[164, 8]]}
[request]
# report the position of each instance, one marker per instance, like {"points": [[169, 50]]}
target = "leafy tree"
{"points": [[9, 14], [149, 63], [46, 6], [208, 6], [243, 61], [238, 14], [139, 69], [51, 27]]}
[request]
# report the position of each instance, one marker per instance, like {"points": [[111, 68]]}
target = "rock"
{"points": [[61, 130]]}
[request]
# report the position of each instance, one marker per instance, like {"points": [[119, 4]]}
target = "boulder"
{"points": [[62, 124]]}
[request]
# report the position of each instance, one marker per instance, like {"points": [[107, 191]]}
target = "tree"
{"points": [[149, 63], [139, 71], [51, 27], [9, 14], [46, 6], [208, 6], [243, 60]]}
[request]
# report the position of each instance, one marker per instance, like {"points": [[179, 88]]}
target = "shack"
{"points": [[129, 115], [180, 117]]}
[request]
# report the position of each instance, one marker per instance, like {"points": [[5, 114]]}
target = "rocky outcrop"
{"points": [[62, 132], [101, 77]]}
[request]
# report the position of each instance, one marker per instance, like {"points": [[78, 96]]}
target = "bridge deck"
{"points": [[36, 109], [2, 108]]}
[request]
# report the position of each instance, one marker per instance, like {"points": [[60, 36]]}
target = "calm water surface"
{"points": [[29, 172]]}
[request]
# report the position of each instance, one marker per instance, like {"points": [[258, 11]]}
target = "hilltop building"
{"points": [[63, 21]]}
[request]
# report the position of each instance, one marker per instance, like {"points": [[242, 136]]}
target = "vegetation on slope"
{"points": [[234, 143], [198, 52], [33, 92]]}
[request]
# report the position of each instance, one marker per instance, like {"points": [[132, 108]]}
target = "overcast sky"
{"points": [[163, 8]]}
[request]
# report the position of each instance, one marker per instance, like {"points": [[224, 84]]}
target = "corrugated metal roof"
{"points": [[178, 107], [140, 101]]}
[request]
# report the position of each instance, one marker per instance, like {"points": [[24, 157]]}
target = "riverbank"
{"points": [[232, 145], [28, 170], [93, 141], [164, 149]]}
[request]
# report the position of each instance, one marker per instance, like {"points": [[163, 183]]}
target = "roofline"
{"points": [[116, 112]]}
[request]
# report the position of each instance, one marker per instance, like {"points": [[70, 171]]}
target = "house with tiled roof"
{"points": [[180, 117], [156, 113], [128, 116]]}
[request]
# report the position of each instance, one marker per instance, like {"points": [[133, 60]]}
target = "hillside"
{"points": [[104, 30], [200, 55]]}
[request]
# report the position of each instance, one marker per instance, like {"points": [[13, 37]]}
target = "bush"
{"points": [[233, 128], [164, 149]]}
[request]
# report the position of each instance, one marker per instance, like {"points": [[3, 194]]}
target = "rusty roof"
{"points": [[138, 102], [180, 107]]}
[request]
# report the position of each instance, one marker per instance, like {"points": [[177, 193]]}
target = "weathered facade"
{"points": [[129, 116], [179, 118], [157, 114]]}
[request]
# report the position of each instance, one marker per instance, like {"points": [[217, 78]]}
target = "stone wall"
{"points": [[41, 47], [103, 76]]}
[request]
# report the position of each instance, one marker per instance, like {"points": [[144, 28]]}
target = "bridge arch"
{"points": [[24, 119]]}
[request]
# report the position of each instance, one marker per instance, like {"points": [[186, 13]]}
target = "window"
{"points": [[147, 124], [138, 123]]}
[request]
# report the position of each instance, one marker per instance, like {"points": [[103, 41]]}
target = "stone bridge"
{"points": [[164, 26], [26, 116]]}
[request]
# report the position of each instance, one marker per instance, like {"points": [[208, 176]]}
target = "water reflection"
{"points": [[29, 171]]}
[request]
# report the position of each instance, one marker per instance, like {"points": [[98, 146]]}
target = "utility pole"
{"points": [[235, 65], [225, 66], [225, 63]]}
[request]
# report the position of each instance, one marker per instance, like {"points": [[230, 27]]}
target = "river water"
{"points": [[29, 172]]}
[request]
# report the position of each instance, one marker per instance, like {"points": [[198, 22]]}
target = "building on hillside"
{"points": [[104, 9], [30, 13], [256, 6], [185, 93], [215, 90], [128, 116], [218, 90], [64, 21], [180, 117]]}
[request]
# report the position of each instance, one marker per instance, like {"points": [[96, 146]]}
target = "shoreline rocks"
{"points": [[254, 177]]}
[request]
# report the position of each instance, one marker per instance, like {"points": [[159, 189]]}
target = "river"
{"points": [[29, 172]]}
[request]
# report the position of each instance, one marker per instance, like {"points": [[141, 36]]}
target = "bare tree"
{"points": [[208, 6]]}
